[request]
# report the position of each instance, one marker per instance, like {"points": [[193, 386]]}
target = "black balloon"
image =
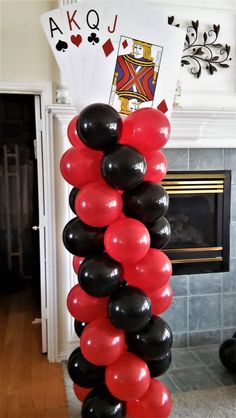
{"points": [[227, 354], [99, 126], [151, 342], [83, 240], [99, 403], [79, 327], [72, 197], [160, 233], [84, 373], [146, 202], [124, 167], [100, 275], [160, 366], [129, 308]]}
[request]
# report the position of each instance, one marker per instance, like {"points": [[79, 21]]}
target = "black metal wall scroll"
{"points": [[203, 50]]}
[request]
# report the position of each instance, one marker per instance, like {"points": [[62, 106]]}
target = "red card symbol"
{"points": [[108, 47], [76, 39], [162, 106], [125, 44]]}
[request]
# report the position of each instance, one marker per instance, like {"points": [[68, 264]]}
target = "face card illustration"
{"points": [[117, 22], [165, 46], [135, 76]]}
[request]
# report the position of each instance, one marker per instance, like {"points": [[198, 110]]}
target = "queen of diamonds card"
{"points": [[136, 75]]}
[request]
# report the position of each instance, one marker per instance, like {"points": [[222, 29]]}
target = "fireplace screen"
{"points": [[199, 215]]}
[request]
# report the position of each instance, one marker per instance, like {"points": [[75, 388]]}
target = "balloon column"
{"points": [[116, 238], [227, 353]]}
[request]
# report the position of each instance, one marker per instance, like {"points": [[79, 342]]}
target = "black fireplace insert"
{"points": [[199, 215]]}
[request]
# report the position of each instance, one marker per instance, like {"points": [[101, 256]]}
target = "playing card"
{"points": [[52, 25], [135, 76], [84, 23], [115, 17], [125, 56], [140, 62]]}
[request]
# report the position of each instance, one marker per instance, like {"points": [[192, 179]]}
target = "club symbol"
{"points": [[93, 38], [61, 46]]}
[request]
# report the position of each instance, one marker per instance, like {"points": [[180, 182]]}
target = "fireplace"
{"points": [[199, 215]]}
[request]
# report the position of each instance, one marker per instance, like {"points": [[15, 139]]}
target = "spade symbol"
{"points": [[61, 46], [93, 38]]}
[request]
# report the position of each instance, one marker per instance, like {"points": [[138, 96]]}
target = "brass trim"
{"points": [[194, 191], [203, 249], [195, 176], [197, 260], [192, 182], [189, 186]]}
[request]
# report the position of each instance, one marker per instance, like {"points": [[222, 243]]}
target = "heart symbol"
{"points": [[76, 40]]}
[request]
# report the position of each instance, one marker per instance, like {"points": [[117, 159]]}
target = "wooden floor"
{"points": [[30, 387]]}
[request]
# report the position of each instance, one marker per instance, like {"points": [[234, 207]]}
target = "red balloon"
{"points": [[101, 343], [76, 263], [155, 403], [84, 307], [127, 240], [146, 129], [81, 392], [122, 216], [128, 377], [156, 166], [98, 204], [161, 299], [151, 272], [81, 166], [72, 134]]}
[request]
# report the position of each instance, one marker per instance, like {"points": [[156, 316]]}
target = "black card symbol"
{"points": [[93, 38], [61, 46]]}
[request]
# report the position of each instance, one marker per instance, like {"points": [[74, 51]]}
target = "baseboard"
{"points": [[64, 354]]}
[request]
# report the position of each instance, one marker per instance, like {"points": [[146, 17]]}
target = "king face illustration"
{"points": [[135, 77]]}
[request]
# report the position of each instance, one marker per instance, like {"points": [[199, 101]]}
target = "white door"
{"points": [[42, 219]]}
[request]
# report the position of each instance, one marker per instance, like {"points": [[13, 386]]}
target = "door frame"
{"points": [[44, 90]]}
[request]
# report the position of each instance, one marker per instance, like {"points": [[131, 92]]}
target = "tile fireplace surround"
{"points": [[204, 305]]}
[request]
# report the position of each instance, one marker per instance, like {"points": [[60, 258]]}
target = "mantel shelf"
{"points": [[191, 128]]}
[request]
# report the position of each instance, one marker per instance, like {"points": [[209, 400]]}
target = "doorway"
{"points": [[20, 244]]}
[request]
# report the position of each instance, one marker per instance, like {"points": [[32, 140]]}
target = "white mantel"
{"points": [[191, 128]]}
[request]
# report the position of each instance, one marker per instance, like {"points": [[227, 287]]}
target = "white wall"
{"points": [[208, 91], [25, 53]]}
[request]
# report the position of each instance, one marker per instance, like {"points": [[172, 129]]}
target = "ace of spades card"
{"points": [[52, 25]]}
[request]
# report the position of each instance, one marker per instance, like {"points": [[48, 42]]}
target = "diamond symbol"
{"points": [[125, 44], [108, 47], [162, 106]]}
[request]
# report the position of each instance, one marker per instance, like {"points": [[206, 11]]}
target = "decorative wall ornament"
{"points": [[203, 49], [178, 92]]}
